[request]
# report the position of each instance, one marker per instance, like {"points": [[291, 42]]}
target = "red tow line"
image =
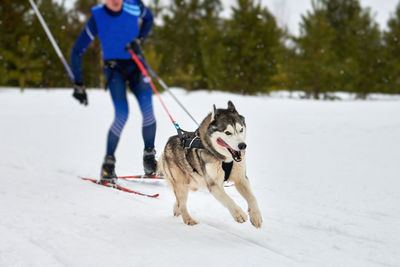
{"points": [[144, 71]]}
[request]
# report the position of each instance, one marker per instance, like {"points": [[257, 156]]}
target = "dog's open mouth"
{"points": [[236, 155]]}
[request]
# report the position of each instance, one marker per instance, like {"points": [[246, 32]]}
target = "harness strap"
{"points": [[227, 167], [119, 65], [194, 142], [195, 138], [110, 64], [190, 139]]}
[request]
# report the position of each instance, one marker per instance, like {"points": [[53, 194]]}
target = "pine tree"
{"points": [[20, 26], [25, 68], [340, 49], [391, 79], [316, 61], [177, 43], [212, 54], [13, 21], [53, 72], [156, 8], [210, 39], [358, 46], [13, 26], [251, 39]]}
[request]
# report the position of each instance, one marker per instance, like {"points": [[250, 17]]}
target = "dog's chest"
{"points": [[221, 171], [227, 169]]}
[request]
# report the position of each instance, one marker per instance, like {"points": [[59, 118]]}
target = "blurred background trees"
{"points": [[339, 48]]}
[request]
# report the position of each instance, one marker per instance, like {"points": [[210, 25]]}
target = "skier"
{"points": [[117, 25]]}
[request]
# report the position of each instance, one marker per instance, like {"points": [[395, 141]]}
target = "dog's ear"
{"points": [[214, 112], [231, 107], [243, 120]]}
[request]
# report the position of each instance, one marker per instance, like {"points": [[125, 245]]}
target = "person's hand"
{"points": [[136, 46], [80, 93]]}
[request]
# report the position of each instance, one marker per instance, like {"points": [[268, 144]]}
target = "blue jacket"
{"points": [[115, 30]]}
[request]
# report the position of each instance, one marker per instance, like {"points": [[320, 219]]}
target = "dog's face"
{"points": [[227, 132]]}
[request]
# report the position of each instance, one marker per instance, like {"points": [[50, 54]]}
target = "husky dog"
{"points": [[221, 158]]}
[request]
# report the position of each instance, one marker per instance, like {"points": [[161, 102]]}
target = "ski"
{"points": [[226, 184], [118, 187], [155, 177], [142, 176]]}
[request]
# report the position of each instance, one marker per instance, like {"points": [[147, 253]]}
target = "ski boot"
{"points": [[149, 161], [108, 170]]}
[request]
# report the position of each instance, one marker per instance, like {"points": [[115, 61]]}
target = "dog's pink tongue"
{"points": [[222, 143]]}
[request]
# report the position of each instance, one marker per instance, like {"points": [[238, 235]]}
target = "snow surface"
{"points": [[326, 176]]}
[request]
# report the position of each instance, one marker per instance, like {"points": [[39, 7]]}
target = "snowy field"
{"points": [[326, 175]]}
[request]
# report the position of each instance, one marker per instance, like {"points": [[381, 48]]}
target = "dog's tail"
{"points": [[160, 163], [164, 172]]}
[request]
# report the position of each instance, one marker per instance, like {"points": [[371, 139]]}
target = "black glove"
{"points": [[80, 93], [136, 46]]}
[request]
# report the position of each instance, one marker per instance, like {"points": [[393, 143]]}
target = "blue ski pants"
{"points": [[126, 72]]}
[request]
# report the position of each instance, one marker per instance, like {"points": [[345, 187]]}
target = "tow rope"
{"points": [[188, 139], [144, 71]]}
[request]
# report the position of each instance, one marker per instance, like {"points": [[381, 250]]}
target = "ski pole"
{"points": [[53, 42], [166, 88]]}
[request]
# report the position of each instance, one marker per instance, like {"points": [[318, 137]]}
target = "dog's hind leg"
{"points": [[243, 187], [181, 193]]}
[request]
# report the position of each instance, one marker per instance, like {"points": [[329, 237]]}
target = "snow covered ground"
{"points": [[326, 175]]}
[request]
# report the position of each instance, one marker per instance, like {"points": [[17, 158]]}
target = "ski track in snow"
{"points": [[326, 176]]}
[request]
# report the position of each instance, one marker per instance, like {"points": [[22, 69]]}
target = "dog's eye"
{"points": [[241, 130], [228, 133]]}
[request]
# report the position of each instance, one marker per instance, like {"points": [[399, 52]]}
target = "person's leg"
{"points": [[118, 94], [143, 94]]}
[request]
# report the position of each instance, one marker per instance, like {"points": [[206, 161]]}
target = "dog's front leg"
{"points": [[219, 193], [243, 187]]}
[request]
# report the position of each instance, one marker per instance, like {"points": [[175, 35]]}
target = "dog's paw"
{"points": [[189, 221], [255, 218], [177, 211], [239, 215]]}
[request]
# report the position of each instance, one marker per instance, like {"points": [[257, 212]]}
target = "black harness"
{"points": [[111, 64], [119, 65], [227, 167], [192, 140]]}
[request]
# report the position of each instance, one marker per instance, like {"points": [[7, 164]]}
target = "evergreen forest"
{"points": [[340, 47]]}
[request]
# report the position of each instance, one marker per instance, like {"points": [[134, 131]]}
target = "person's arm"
{"points": [[147, 21], [86, 36]]}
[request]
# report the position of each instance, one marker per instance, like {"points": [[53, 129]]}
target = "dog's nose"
{"points": [[242, 146]]}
